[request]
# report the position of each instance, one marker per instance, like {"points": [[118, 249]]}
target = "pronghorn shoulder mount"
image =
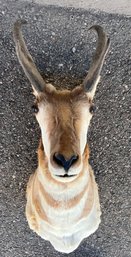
{"points": [[62, 195]]}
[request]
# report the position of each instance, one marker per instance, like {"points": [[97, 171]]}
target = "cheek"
{"points": [[83, 131], [83, 136], [44, 126]]}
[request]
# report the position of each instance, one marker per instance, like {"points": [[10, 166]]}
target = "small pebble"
{"points": [[60, 65], [73, 49]]}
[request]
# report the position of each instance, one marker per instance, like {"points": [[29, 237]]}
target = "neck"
{"points": [[67, 197], [67, 212]]}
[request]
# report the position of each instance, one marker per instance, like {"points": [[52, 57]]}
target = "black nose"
{"points": [[61, 161]]}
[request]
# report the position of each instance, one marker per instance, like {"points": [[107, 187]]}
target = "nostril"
{"points": [[73, 159], [60, 160]]}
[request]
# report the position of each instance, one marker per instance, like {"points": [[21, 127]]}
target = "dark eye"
{"points": [[35, 108], [92, 109]]}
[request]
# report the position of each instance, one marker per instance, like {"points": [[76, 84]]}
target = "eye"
{"points": [[35, 108], [92, 109]]}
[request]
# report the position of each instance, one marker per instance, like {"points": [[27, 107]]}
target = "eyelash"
{"points": [[35, 108], [92, 109]]}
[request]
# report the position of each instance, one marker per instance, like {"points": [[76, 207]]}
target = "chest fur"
{"points": [[64, 215]]}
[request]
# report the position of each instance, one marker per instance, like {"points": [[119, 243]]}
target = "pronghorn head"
{"points": [[63, 115]]}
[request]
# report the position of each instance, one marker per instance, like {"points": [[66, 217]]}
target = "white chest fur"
{"points": [[62, 213]]}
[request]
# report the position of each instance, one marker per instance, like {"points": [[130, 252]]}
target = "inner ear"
{"points": [[50, 88], [35, 92]]}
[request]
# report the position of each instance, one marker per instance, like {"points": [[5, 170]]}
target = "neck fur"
{"points": [[63, 213]]}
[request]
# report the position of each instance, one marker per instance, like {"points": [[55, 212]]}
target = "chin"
{"points": [[64, 178], [59, 174]]}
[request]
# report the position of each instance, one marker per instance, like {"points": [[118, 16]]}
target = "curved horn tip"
{"points": [[16, 28], [96, 27], [19, 23]]}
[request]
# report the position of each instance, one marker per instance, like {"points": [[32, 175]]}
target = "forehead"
{"points": [[66, 108], [64, 98]]}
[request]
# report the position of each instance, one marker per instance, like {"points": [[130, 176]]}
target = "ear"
{"points": [[91, 93], [48, 88]]}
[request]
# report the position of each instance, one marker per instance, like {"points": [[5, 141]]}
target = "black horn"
{"points": [[25, 58], [103, 43]]}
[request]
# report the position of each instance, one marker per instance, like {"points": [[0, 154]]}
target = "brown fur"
{"points": [[35, 186], [42, 161], [64, 112], [64, 118]]}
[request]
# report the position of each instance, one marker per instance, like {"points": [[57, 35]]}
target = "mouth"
{"points": [[65, 176]]}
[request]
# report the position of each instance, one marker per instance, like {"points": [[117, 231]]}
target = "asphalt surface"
{"points": [[62, 47], [110, 6]]}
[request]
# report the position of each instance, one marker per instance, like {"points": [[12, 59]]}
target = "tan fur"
{"points": [[59, 207], [35, 211], [62, 195]]}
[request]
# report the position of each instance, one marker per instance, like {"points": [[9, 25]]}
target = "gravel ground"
{"points": [[62, 47]]}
